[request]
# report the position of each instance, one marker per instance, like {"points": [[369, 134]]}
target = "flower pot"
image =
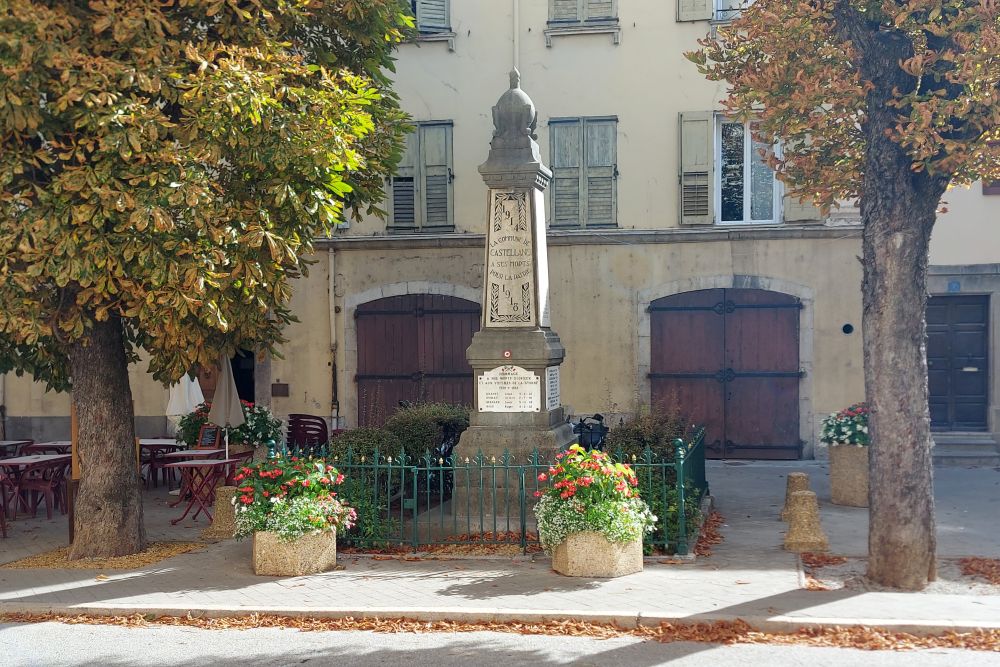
{"points": [[849, 475], [590, 554], [308, 554]]}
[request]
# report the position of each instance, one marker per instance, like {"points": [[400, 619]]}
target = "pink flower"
{"points": [[542, 477]]}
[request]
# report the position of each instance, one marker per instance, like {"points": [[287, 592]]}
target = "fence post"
{"points": [[523, 492], [416, 510], [682, 540]]}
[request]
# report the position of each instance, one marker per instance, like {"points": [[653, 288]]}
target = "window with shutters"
{"points": [[583, 158], [578, 17], [746, 188], [421, 197], [433, 19], [717, 11], [991, 187]]}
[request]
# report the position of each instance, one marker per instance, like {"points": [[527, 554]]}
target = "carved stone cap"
{"points": [[514, 155]]}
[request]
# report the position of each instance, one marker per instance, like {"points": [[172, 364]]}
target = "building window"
{"points": [[991, 187], [746, 189], [421, 196], [580, 11], [728, 10], [583, 17], [433, 16], [584, 171]]}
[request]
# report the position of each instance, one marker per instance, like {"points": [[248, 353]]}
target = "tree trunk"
{"points": [[108, 508], [898, 209]]}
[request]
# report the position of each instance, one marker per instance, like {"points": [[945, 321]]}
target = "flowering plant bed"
{"points": [[259, 427], [847, 427], [590, 493], [291, 497]]}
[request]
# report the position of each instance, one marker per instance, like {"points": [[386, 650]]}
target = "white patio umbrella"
{"points": [[227, 411], [183, 398]]}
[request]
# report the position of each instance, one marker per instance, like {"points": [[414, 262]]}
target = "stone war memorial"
{"points": [[515, 356]]}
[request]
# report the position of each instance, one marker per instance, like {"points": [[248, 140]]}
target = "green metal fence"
{"points": [[488, 500]]}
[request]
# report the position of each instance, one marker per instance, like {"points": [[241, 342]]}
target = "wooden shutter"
{"points": [[566, 142], [432, 16], [598, 10], [695, 10], [564, 10], [599, 141], [435, 160], [403, 184], [697, 168]]}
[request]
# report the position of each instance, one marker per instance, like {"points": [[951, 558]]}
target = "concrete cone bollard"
{"points": [[804, 532], [797, 481], [223, 516]]}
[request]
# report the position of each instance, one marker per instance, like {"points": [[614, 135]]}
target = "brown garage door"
{"points": [[412, 348], [729, 358], [957, 362]]}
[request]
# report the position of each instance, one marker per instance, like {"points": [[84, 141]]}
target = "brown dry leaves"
{"points": [[719, 632], [811, 562], [489, 543], [58, 559], [710, 535], [985, 568]]}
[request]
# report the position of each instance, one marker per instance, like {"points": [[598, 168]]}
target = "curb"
{"points": [[624, 619]]}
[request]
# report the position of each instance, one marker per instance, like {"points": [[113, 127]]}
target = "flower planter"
{"points": [[590, 554], [308, 554], [849, 475]]}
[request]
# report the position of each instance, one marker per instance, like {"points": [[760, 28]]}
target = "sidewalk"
{"points": [[747, 577]]}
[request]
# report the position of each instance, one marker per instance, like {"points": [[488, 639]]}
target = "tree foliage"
{"points": [[168, 164], [801, 70]]}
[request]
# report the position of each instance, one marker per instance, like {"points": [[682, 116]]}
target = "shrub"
{"points": [[374, 527], [667, 528], [654, 430], [363, 442], [422, 427], [291, 497], [589, 492]]}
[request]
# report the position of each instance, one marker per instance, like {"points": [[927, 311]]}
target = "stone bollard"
{"points": [[804, 532], [223, 516], [797, 481]]}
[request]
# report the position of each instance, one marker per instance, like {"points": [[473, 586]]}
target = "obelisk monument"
{"points": [[515, 355]]}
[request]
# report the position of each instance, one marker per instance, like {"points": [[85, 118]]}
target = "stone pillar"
{"points": [[515, 355]]}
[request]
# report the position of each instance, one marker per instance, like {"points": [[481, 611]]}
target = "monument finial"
{"points": [[515, 79]]}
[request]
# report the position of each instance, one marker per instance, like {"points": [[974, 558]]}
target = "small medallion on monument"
{"points": [[509, 389]]}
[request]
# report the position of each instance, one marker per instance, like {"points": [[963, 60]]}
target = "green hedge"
{"points": [[420, 428]]}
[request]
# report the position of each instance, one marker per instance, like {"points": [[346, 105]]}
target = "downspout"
{"points": [[517, 32], [332, 292]]}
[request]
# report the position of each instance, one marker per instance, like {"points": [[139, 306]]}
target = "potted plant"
{"points": [[290, 508], [591, 519], [260, 427], [846, 435]]}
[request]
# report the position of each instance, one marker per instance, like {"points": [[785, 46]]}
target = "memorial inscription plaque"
{"points": [[510, 267], [552, 398], [509, 389]]}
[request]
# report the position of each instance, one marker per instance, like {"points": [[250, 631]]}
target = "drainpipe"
{"points": [[332, 292], [517, 33]]}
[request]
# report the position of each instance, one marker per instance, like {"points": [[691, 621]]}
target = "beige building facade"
{"points": [[679, 272]]}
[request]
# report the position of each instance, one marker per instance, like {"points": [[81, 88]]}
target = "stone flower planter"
{"points": [[308, 554], [849, 475], [590, 554]]}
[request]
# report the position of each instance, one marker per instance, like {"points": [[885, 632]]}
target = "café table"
{"points": [[152, 452], [53, 447], [19, 471], [198, 481], [12, 447]]}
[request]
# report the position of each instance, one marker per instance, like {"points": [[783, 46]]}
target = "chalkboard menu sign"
{"points": [[209, 437]]}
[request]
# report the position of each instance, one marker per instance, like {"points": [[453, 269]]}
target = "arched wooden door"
{"points": [[729, 359], [412, 348]]}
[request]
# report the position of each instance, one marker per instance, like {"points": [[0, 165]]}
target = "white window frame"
{"points": [[748, 156], [724, 14]]}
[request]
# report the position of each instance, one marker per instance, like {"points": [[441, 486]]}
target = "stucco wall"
{"points": [[969, 232]]}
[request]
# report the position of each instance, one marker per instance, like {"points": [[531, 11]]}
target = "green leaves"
{"points": [[151, 163]]}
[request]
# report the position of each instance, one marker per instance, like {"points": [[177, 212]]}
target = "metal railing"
{"points": [[433, 501]]}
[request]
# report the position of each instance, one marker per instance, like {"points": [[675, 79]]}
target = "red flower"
{"points": [[538, 494], [542, 477]]}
